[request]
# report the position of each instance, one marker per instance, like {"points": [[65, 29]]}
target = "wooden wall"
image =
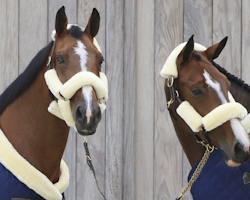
{"points": [[135, 150]]}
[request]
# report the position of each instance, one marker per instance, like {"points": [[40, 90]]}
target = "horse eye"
{"points": [[101, 61], [197, 92], [59, 59]]}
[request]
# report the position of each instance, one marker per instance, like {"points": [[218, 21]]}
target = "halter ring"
{"points": [[170, 81]]}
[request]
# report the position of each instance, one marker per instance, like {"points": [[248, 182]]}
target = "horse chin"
{"points": [[86, 132], [231, 163]]}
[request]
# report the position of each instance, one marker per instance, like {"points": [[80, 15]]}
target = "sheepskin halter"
{"points": [[185, 110], [64, 92]]}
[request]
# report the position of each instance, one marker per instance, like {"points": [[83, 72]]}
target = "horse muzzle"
{"points": [[64, 92], [86, 124]]}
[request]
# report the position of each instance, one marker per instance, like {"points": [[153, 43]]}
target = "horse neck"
{"points": [[193, 150], [37, 135], [241, 95]]}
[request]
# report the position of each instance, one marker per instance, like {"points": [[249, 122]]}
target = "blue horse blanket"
{"points": [[218, 181], [11, 187], [19, 179]]}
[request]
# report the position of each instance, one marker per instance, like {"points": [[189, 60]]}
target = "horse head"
{"points": [[205, 107], [76, 61]]}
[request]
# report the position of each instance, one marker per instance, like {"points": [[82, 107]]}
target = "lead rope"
{"points": [[89, 162], [196, 174]]}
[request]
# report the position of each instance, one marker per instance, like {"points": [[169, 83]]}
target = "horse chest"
{"points": [[218, 181]]}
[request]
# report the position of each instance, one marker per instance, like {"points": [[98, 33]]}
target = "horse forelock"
{"points": [[75, 31], [24, 80]]}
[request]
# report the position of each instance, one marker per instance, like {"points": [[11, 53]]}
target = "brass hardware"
{"points": [[169, 103], [49, 60], [170, 81]]}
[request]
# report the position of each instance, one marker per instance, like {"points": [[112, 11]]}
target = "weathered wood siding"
{"points": [[135, 150]]}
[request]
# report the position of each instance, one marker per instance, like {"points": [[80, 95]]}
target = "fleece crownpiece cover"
{"points": [[170, 67]]}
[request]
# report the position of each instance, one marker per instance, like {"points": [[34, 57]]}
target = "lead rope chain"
{"points": [[89, 162], [209, 150]]}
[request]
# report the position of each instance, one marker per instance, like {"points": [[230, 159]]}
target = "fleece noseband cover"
{"points": [[217, 116], [64, 92], [213, 119]]}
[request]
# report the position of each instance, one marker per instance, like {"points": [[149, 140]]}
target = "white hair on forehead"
{"points": [[215, 85], [82, 53], [68, 27]]}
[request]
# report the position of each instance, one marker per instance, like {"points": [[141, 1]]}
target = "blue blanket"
{"points": [[218, 181], [11, 187]]}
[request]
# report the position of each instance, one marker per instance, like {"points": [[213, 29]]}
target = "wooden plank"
{"points": [[86, 186], [32, 30], [144, 100], [168, 152], [114, 112], [129, 106], [227, 22], [9, 43], [197, 21], [245, 28], [70, 150]]}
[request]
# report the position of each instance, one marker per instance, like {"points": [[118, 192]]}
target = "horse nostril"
{"points": [[80, 114], [241, 155], [98, 115], [238, 149]]}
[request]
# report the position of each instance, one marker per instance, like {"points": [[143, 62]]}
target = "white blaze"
{"points": [[80, 50], [82, 53], [87, 94], [238, 130]]}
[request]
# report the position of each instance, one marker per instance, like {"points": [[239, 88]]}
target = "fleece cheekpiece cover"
{"points": [[216, 117], [29, 175]]}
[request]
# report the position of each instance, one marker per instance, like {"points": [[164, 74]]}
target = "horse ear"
{"points": [[188, 49], [61, 21], [215, 50], [93, 24]]}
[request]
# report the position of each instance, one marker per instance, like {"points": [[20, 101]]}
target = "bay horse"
{"points": [[196, 91], [33, 140]]}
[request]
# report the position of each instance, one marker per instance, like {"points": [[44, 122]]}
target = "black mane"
{"points": [[232, 78], [24, 80]]}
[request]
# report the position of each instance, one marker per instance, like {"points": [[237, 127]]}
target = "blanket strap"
{"points": [[89, 162]]}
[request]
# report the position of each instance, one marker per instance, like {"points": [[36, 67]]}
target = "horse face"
{"points": [[75, 52], [205, 88]]}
